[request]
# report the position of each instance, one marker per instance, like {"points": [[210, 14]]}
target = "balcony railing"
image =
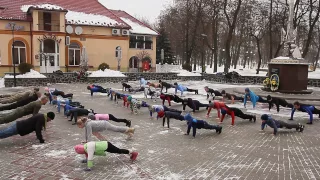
{"points": [[54, 26]]}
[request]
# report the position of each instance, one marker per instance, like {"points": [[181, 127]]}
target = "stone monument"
{"points": [[290, 70]]}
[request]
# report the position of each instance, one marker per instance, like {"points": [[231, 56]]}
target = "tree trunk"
{"points": [[215, 45], [270, 31], [259, 53]]}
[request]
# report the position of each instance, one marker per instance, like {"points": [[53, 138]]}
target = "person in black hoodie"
{"points": [[193, 104], [231, 97], [278, 101], [211, 92], [168, 115], [27, 126], [166, 85], [22, 102], [74, 113]]}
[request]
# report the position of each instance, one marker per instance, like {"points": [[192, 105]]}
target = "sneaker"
{"points": [[130, 130], [128, 123], [197, 92], [301, 128], [309, 123], [254, 118], [219, 130], [134, 156]]}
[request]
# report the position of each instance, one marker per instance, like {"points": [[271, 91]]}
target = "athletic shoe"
{"points": [[128, 123], [301, 128], [219, 130], [197, 92], [134, 156], [309, 123]]}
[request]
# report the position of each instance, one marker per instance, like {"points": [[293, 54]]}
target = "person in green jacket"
{"points": [[99, 148], [18, 96], [31, 108]]}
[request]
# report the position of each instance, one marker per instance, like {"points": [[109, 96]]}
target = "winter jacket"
{"points": [[229, 112], [20, 103], [95, 148], [143, 82], [34, 123], [17, 97], [194, 123], [305, 108], [192, 104], [180, 88], [216, 105], [60, 101], [277, 102], [67, 108], [94, 126], [155, 108], [212, 92], [253, 98], [272, 123]]}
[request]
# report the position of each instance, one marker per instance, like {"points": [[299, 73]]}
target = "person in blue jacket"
{"points": [[275, 124], [305, 108], [95, 88], [143, 82], [183, 88], [199, 124], [253, 98]]}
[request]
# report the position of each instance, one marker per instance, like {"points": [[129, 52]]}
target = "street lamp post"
{"points": [[12, 24], [202, 58]]}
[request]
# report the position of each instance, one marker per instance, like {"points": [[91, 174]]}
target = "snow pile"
{"points": [[281, 57], [315, 74], [2, 83], [137, 28], [79, 18], [31, 74], [106, 73], [183, 72]]}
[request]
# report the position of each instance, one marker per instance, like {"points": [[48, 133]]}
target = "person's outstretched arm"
{"points": [[292, 113]]}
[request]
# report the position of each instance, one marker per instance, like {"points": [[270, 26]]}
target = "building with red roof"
{"points": [[52, 34]]}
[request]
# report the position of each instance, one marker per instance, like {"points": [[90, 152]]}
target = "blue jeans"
{"points": [[9, 131]]}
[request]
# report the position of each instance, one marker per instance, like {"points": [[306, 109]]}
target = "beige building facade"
{"points": [[51, 39]]}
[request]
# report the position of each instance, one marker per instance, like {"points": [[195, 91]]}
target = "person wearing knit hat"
{"points": [[235, 112], [215, 105], [159, 109], [169, 115], [231, 97], [253, 98], [107, 117], [23, 127], [99, 148], [199, 124], [275, 124], [278, 101]]}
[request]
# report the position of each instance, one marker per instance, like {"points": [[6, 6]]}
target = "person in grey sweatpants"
{"points": [[94, 127]]}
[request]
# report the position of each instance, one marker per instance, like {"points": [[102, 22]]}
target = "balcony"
{"points": [[49, 21], [49, 27]]}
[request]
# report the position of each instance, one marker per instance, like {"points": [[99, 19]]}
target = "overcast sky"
{"points": [[149, 9]]}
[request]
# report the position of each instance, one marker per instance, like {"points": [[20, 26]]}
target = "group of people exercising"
{"points": [[30, 102]]}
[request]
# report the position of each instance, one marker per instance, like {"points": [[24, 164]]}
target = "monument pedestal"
{"points": [[293, 75]]}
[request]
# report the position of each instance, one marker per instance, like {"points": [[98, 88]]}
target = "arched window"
{"points": [[133, 62], [74, 54], [118, 52], [19, 53]]}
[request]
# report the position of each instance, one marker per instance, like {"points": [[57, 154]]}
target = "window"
{"points": [[74, 54], [19, 52], [141, 42], [47, 21], [118, 52]]}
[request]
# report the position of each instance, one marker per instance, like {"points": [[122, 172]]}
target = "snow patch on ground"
{"points": [[138, 29], [55, 153], [18, 178], [31, 74], [183, 72], [40, 146], [151, 151], [106, 73], [65, 177], [171, 176]]}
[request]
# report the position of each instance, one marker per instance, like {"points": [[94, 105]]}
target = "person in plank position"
{"points": [[235, 112], [166, 85], [170, 115], [35, 96], [231, 97], [275, 124], [107, 117], [305, 108], [215, 105], [183, 88], [193, 104], [278, 101]]}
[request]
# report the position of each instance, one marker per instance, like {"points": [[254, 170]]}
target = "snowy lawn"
{"points": [[31, 74], [106, 73]]}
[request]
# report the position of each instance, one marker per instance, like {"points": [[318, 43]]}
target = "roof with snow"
{"points": [[137, 27], [80, 12]]}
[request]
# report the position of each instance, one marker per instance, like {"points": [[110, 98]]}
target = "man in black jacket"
{"points": [[278, 102], [27, 126], [166, 85], [21, 102], [74, 113], [193, 104]]}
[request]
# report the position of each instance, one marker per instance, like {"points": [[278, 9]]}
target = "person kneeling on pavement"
{"points": [[199, 124], [99, 148], [27, 126], [275, 124]]}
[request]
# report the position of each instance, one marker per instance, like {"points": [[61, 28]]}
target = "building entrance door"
{"points": [[49, 58]]}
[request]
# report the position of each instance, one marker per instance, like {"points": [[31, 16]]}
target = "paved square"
{"points": [[240, 152]]}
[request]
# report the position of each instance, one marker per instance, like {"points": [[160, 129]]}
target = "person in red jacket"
{"points": [[235, 112], [216, 105]]}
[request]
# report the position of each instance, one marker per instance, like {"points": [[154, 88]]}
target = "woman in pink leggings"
{"points": [[108, 117]]}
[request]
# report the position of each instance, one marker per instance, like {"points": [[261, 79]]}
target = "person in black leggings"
{"points": [[193, 104], [110, 117], [174, 115]]}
